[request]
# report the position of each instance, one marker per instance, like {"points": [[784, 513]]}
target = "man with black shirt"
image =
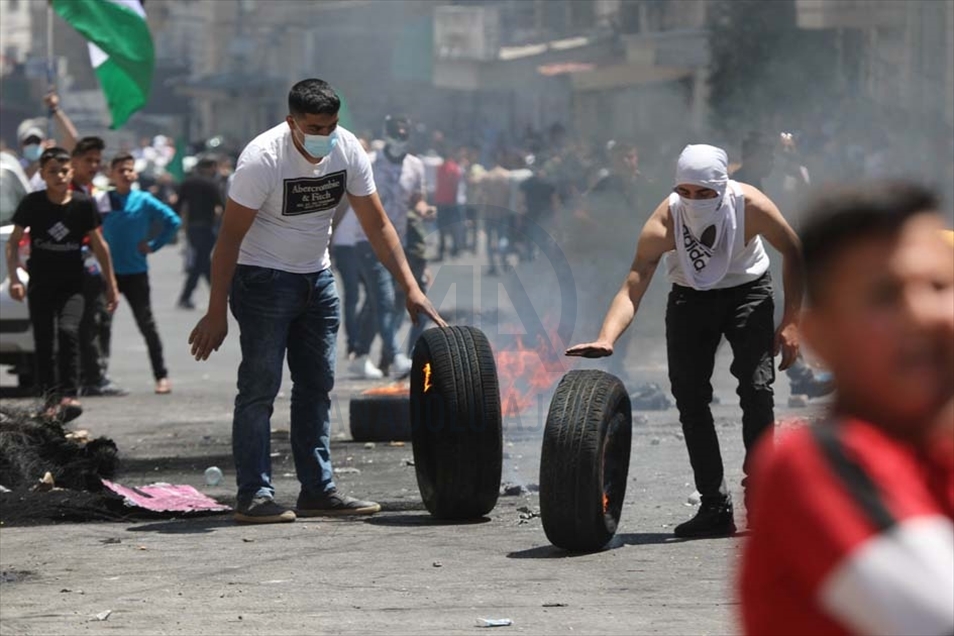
{"points": [[200, 204]]}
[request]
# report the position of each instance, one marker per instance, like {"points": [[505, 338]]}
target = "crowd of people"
{"points": [[485, 198], [81, 263]]}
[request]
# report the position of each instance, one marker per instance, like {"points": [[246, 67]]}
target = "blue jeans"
{"points": [[346, 262], [377, 313], [274, 309]]}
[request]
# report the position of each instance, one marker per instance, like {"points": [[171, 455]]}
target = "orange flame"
{"points": [[397, 388], [427, 377], [524, 373], [605, 502]]}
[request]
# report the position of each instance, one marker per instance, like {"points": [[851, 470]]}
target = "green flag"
{"points": [[120, 49], [175, 167]]}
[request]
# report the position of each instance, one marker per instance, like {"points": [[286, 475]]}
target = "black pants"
{"points": [[201, 241], [95, 332], [450, 224], [695, 323], [56, 309], [135, 287]]}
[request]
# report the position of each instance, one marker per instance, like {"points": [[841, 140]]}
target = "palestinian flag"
{"points": [[120, 49]]}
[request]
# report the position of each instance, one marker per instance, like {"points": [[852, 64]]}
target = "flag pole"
{"points": [[50, 75]]}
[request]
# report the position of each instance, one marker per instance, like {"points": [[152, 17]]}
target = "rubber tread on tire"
{"points": [[585, 460], [456, 422]]}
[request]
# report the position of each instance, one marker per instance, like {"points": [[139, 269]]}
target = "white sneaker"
{"points": [[401, 365], [362, 367]]}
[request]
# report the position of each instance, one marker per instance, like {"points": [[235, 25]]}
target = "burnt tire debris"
{"points": [[456, 422], [585, 460], [380, 418]]}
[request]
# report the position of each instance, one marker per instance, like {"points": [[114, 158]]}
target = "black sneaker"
{"points": [[714, 519], [263, 510], [331, 504]]}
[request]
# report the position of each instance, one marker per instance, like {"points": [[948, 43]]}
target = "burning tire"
{"points": [[456, 422], [380, 418], [585, 460]]}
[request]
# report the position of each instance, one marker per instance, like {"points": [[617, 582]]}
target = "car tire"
{"points": [[456, 423], [585, 460], [380, 418]]}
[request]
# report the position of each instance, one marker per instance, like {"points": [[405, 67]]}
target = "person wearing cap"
{"points": [[711, 231], [32, 139]]}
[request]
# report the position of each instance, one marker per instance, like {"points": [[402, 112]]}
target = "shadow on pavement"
{"points": [[647, 538], [203, 525], [405, 521], [189, 463], [620, 540]]}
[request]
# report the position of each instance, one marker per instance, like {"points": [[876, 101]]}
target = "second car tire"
{"points": [[585, 460], [380, 418], [456, 422]]}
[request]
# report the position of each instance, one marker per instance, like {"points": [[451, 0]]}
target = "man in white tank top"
{"points": [[710, 230]]}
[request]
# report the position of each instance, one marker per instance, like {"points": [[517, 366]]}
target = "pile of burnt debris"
{"points": [[48, 473]]}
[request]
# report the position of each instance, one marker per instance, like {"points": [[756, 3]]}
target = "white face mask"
{"points": [[701, 213], [702, 208]]}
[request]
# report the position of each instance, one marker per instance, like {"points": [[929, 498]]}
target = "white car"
{"points": [[16, 335]]}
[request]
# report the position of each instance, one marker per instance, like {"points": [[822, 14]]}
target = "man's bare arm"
{"points": [[383, 238], [654, 241], [387, 247], [212, 329], [763, 217], [17, 290], [65, 124]]}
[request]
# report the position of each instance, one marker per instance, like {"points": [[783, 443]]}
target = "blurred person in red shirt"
{"points": [[852, 517], [449, 217]]}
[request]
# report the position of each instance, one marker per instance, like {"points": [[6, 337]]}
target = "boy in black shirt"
{"points": [[58, 219]]}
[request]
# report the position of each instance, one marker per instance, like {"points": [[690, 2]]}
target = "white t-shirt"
{"points": [[295, 199]]}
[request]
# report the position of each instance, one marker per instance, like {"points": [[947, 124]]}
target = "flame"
{"points": [[427, 377], [524, 373], [605, 502], [397, 388]]}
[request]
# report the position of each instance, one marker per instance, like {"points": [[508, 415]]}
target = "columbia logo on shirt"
{"points": [[58, 231]]}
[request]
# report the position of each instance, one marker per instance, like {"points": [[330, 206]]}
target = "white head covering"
{"points": [[705, 166], [704, 265]]}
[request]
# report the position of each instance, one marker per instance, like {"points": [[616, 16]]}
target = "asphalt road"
{"points": [[397, 572]]}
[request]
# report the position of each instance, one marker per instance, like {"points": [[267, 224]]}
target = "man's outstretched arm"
{"points": [[654, 241]]}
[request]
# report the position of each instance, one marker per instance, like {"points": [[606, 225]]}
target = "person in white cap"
{"points": [[710, 230], [32, 139]]}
